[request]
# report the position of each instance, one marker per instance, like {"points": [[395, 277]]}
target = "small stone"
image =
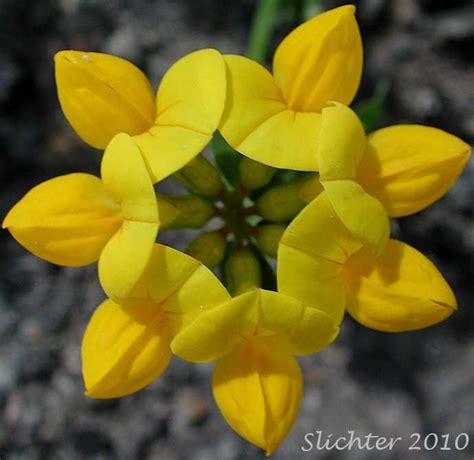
{"points": [[36, 363], [124, 42], [9, 74], [93, 444], [423, 102]]}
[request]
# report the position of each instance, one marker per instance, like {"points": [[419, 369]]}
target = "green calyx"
{"points": [[242, 208]]}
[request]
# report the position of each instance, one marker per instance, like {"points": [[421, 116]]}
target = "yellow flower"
{"points": [[257, 382], [276, 118], [103, 95], [77, 219], [396, 171], [323, 265], [126, 347]]}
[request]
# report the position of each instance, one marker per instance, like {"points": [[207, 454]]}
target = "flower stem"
{"points": [[262, 27]]}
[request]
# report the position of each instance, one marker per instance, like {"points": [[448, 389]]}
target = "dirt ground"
{"points": [[368, 382]]}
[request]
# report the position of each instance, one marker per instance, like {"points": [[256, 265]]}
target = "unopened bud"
{"points": [[268, 236], [191, 211], [254, 175], [208, 248], [200, 177], [242, 272], [167, 211], [282, 202], [311, 188]]}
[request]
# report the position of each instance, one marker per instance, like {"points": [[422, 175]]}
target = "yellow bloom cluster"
{"points": [[335, 254]]}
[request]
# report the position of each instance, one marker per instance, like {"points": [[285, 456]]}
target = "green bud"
{"points": [[191, 211], [254, 175], [200, 177], [209, 248], [268, 236], [167, 211], [282, 202], [242, 272], [311, 188]]}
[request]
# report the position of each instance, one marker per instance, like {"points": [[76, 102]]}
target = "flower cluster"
{"points": [[328, 226]]}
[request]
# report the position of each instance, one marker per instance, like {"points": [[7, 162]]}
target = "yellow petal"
{"points": [[126, 179], [314, 281], [219, 330], [190, 102], [252, 98], [409, 167], [257, 123], [401, 290], [362, 214], [66, 220], [306, 330], [318, 231], [320, 61], [258, 390], [259, 313], [125, 258], [340, 147], [183, 286], [341, 143], [312, 252], [124, 349], [102, 95]]}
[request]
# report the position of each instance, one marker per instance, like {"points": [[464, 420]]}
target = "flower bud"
{"points": [[200, 177], [254, 175], [191, 212], [311, 188], [268, 237], [208, 248], [166, 210], [242, 272], [282, 202]]}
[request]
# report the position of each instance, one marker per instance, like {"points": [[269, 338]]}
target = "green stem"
{"points": [[262, 26]]}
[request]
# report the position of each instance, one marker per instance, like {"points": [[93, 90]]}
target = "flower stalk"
{"points": [[261, 29]]}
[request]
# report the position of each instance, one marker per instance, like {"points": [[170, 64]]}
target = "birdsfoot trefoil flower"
{"points": [[322, 264], [257, 382], [103, 95], [127, 346], [78, 219], [276, 118]]}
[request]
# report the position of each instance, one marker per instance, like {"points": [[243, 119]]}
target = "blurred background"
{"points": [[369, 382]]}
